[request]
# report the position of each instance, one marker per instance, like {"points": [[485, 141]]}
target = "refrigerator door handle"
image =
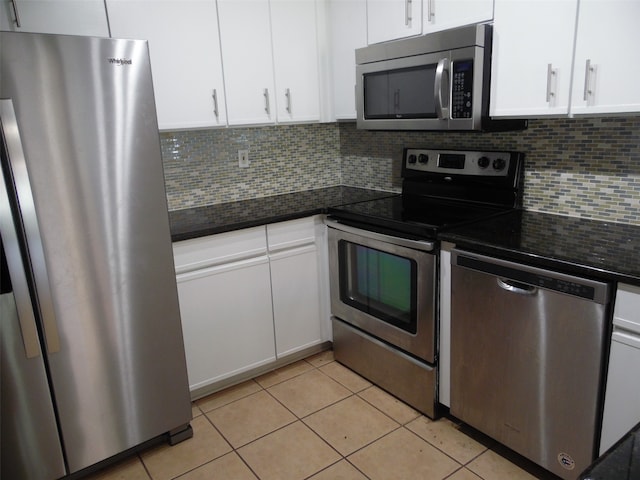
{"points": [[18, 176]]}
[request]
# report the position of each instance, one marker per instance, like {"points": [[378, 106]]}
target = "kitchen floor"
{"points": [[316, 420]]}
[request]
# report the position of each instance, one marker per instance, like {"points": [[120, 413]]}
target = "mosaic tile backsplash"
{"points": [[579, 167]]}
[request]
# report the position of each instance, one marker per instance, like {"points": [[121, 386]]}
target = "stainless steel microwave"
{"points": [[438, 81]]}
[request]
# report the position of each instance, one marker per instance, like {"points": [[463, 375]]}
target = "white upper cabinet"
{"points": [[443, 14], [391, 19], [348, 24], [532, 57], [270, 58], [245, 36], [606, 69], [295, 60], [564, 57], [185, 57], [69, 17]]}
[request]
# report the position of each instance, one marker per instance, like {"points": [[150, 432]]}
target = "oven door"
{"points": [[384, 286]]}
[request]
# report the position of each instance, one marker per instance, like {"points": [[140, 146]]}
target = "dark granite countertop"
{"points": [[604, 250], [224, 217], [620, 462]]}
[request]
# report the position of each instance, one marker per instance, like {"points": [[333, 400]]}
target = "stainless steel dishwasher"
{"points": [[527, 350]]}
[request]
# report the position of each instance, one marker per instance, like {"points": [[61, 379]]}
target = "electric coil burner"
{"points": [[383, 257]]}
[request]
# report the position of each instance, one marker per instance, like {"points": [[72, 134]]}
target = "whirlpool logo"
{"points": [[119, 61]]}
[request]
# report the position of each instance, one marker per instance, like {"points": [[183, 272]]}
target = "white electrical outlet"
{"points": [[243, 158]]}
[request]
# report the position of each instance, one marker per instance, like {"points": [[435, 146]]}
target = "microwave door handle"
{"points": [[441, 89]]}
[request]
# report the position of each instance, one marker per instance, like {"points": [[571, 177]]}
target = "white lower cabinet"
{"points": [[226, 318], [622, 392], [295, 285], [247, 304], [225, 305]]}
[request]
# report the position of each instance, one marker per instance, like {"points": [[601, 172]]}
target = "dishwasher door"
{"points": [[527, 349]]}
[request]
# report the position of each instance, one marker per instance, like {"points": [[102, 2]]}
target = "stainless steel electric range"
{"points": [[384, 262]]}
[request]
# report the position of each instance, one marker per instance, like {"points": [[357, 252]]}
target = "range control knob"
{"points": [[412, 158], [499, 164], [423, 158], [483, 162]]}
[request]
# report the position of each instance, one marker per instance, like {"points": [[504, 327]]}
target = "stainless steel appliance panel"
{"points": [[412, 381], [420, 344], [526, 354], [105, 280], [26, 406]]}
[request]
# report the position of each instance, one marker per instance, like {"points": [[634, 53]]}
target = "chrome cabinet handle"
{"points": [[441, 89], [431, 10], [590, 71], [407, 12], [287, 94], [267, 108], [15, 13], [516, 287], [29, 222], [215, 103], [551, 74]]}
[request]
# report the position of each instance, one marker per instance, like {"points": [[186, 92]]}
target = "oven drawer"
{"points": [[408, 379]]}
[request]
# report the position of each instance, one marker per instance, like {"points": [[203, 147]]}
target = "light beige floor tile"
{"points": [[309, 392], [195, 411], [292, 453], [444, 435], [342, 470], [130, 469], [350, 424], [346, 377], [396, 409], [403, 455], [228, 467], [321, 358], [285, 373], [250, 417], [492, 466], [165, 462], [228, 395], [464, 474]]}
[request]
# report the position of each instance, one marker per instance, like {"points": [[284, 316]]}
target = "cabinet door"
{"points": [[443, 14], [348, 23], [391, 19], [227, 320], [185, 57], [532, 57], [295, 60], [296, 299], [606, 67], [69, 17], [245, 37]]}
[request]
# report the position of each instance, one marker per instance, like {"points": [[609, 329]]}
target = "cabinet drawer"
{"points": [[626, 314], [213, 250], [293, 233]]}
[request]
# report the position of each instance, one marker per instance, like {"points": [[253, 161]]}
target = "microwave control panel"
{"points": [[461, 89]]}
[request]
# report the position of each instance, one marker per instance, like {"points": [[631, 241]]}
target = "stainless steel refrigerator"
{"points": [[92, 355]]}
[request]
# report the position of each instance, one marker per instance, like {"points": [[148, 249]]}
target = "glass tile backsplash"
{"points": [[579, 167]]}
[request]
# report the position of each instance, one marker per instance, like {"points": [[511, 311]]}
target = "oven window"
{"points": [[379, 283]]}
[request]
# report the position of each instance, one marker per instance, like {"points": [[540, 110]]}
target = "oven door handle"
{"points": [[424, 245]]}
